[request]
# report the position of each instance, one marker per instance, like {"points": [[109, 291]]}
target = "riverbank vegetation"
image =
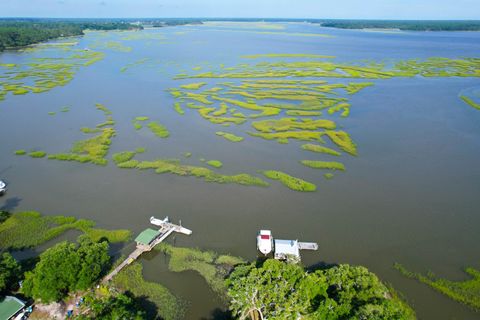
{"points": [[278, 290], [466, 292], [29, 229], [17, 32], [410, 25]]}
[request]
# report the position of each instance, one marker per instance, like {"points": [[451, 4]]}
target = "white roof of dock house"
{"points": [[286, 249]]}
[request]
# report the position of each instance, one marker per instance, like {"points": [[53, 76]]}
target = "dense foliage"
{"points": [[113, 307], [67, 267], [23, 32], [276, 290], [413, 25], [9, 272]]}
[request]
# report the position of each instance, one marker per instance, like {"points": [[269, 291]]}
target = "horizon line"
{"points": [[241, 18]]}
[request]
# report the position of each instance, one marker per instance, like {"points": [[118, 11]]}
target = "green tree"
{"points": [[116, 307], [9, 272], [276, 290], [93, 260], [66, 267]]}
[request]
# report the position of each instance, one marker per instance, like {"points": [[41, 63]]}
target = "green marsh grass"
{"points": [[289, 181], [229, 136], [331, 165], [20, 152], [320, 149], [158, 129], [211, 266], [131, 279], [37, 154], [215, 163], [466, 292], [30, 228]]}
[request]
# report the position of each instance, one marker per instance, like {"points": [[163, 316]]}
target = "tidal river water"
{"points": [[411, 195]]}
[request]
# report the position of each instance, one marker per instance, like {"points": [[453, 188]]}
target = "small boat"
{"points": [[3, 188], [265, 241]]}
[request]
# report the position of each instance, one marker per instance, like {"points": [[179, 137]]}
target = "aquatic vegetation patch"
{"points": [[30, 229], [331, 165], [158, 129], [470, 102], [303, 113], [44, 74], [210, 265], [287, 55], [328, 175], [289, 181], [177, 107], [131, 279], [20, 152], [466, 292], [123, 156], [37, 154], [320, 149], [229, 136], [342, 140], [193, 86], [174, 166], [101, 107], [283, 137], [51, 113], [90, 130], [141, 118], [215, 163], [287, 124]]}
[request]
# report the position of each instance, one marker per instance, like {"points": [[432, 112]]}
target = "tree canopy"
{"points": [[9, 272], [66, 267], [113, 307], [276, 290]]}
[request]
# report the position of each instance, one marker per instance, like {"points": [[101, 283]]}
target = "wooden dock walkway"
{"points": [[166, 229]]}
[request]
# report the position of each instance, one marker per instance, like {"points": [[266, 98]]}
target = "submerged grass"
{"points": [[466, 292], [167, 305], [289, 181], [211, 266], [30, 228]]}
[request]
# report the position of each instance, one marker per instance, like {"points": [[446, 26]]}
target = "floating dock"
{"points": [[147, 240]]}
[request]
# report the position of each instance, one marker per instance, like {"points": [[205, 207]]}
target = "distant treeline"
{"points": [[413, 25], [22, 32]]}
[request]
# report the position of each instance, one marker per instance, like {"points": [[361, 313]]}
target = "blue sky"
{"points": [[362, 9]]}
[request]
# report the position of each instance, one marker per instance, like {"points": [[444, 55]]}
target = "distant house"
{"points": [[11, 307]]}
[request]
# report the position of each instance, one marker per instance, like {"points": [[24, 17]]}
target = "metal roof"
{"points": [[286, 247], [146, 236], [10, 306]]}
